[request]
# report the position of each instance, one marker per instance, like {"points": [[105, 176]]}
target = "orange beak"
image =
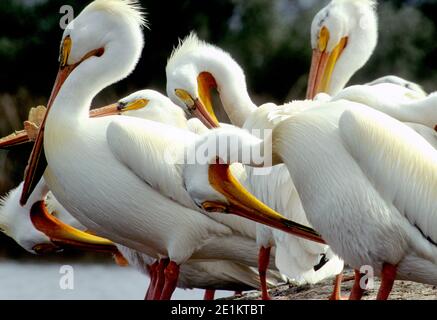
{"points": [[14, 139], [318, 67], [200, 112], [322, 67], [37, 161], [110, 110], [63, 235], [244, 204], [22, 137]]}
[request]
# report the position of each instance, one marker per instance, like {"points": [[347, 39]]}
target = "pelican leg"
{"points": [[263, 264], [336, 294], [357, 291], [120, 260], [160, 279], [153, 274], [209, 294], [171, 274], [388, 277]]}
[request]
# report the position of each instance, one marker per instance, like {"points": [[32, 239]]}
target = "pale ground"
{"points": [[402, 290], [30, 280]]}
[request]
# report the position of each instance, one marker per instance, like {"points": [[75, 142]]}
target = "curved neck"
{"points": [[120, 56], [235, 145], [74, 99], [362, 40], [232, 88]]}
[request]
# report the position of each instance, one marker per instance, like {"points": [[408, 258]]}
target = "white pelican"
{"points": [[193, 70], [368, 184], [16, 222], [151, 105], [47, 230], [95, 175], [145, 104], [217, 275], [344, 35]]}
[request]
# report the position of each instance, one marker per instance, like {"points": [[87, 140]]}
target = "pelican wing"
{"points": [[152, 151], [400, 163]]}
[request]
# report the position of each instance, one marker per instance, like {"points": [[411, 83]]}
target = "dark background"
{"points": [[269, 38]]}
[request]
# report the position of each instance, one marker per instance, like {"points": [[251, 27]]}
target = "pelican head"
{"points": [[100, 46], [152, 105], [38, 231], [194, 69], [343, 37], [105, 38], [16, 223], [400, 82]]}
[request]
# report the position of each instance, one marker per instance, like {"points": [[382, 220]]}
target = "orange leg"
{"points": [[153, 273], [160, 279], [209, 295], [388, 277], [357, 291], [336, 294], [263, 264], [171, 274]]}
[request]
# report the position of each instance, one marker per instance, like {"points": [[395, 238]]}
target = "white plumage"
{"points": [[137, 209], [344, 35], [397, 101], [15, 220], [221, 275], [378, 183], [294, 257], [367, 183]]}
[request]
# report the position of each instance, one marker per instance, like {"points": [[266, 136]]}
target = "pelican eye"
{"points": [[121, 105], [134, 105]]}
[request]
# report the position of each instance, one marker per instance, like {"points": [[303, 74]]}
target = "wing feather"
{"points": [[152, 151], [399, 162]]}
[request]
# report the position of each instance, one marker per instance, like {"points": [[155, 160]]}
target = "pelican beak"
{"points": [[21, 137], [110, 110], [206, 83], [323, 64], [37, 162], [199, 109], [244, 204], [133, 106], [63, 235], [14, 139]]}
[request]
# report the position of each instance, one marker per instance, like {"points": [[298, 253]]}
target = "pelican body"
{"points": [[367, 183]]}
